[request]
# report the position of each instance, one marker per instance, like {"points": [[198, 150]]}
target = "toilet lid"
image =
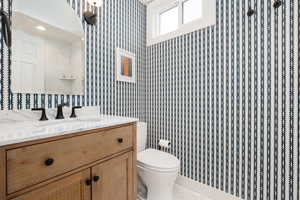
{"points": [[157, 159]]}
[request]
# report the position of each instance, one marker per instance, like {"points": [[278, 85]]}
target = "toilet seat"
{"points": [[152, 159]]}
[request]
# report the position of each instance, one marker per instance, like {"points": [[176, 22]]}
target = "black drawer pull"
{"points": [[49, 162], [120, 140], [88, 182], [96, 178]]}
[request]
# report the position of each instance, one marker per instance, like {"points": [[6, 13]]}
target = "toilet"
{"points": [[156, 169]]}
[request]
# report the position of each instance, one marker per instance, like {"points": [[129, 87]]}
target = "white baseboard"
{"points": [[204, 190]]}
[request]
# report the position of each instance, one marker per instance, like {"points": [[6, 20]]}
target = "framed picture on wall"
{"points": [[125, 66]]}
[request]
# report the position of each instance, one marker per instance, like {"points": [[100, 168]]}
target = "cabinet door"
{"points": [[73, 187], [113, 180]]}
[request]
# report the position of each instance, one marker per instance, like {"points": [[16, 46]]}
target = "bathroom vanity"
{"points": [[91, 156], [82, 159]]}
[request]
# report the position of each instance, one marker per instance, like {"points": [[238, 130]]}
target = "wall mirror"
{"points": [[47, 48]]}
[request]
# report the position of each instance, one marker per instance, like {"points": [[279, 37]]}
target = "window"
{"points": [[191, 10], [168, 21]]}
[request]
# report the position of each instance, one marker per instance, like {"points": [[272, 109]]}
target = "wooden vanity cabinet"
{"points": [[69, 188], [91, 165], [112, 180]]}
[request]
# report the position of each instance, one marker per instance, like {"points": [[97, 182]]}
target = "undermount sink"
{"points": [[96, 119], [56, 122], [67, 122]]}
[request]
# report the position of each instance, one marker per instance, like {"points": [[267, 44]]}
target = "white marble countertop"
{"points": [[24, 126]]}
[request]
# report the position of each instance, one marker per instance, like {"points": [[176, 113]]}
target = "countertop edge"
{"points": [[52, 136]]}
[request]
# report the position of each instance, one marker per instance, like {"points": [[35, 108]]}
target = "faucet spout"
{"points": [[60, 114]]}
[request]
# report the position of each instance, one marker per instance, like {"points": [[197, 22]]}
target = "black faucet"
{"points": [[44, 116], [60, 114], [73, 115]]}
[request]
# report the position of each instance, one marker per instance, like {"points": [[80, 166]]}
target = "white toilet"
{"points": [[157, 170]]}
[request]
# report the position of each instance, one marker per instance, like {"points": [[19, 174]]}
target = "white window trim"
{"points": [[182, 13], [161, 12], [157, 7]]}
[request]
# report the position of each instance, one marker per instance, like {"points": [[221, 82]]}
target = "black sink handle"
{"points": [[44, 116], [73, 115]]}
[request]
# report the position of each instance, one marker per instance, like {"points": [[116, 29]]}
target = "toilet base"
{"points": [[158, 193], [158, 171]]}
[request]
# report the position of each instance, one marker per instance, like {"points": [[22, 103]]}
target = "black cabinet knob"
{"points": [[88, 182], [120, 140], [96, 178], [49, 162]]}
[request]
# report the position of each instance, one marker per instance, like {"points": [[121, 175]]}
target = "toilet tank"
{"points": [[141, 129]]}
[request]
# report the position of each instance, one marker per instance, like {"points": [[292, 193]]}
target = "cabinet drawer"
{"points": [[30, 165]]}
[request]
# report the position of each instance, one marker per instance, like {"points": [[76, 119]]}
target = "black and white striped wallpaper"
{"points": [[122, 24], [227, 97]]}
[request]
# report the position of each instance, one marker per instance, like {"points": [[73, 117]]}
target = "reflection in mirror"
{"points": [[48, 48]]}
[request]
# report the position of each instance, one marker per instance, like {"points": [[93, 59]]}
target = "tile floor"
{"points": [[182, 193]]}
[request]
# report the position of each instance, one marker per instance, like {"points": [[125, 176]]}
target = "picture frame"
{"points": [[125, 66]]}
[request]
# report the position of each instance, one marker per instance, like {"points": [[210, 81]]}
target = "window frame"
{"points": [[163, 11], [182, 13], [157, 7]]}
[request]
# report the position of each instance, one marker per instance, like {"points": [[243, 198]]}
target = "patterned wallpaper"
{"points": [[227, 97], [122, 24]]}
